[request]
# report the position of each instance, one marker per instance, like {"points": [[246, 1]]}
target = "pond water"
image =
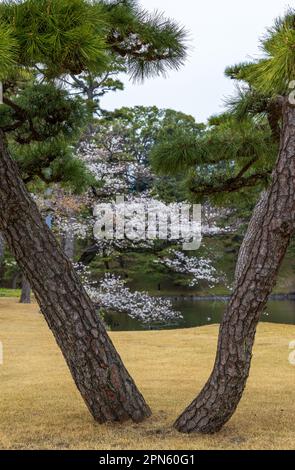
{"points": [[205, 312]]}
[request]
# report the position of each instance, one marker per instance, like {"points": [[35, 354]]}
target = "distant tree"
{"points": [[112, 295], [93, 86], [25, 297], [118, 155]]}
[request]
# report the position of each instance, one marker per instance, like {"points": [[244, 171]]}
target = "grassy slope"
{"points": [[40, 407]]}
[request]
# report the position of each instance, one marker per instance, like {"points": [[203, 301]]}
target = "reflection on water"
{"points": [[198, 313]]}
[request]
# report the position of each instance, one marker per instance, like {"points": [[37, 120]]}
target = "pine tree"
{"points": [[263, 99], [42, 42]]}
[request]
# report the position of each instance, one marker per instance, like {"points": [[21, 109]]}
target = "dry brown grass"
{"points": [[41, 409]]}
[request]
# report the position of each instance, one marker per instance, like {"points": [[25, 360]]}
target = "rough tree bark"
{"points": [[25, 297], [96, 367], [260, 257]]}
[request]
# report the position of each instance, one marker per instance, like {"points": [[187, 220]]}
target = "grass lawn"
{"points": [[41, 409], [10, 292]]}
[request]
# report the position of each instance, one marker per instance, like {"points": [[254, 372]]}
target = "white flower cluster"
{"points": [[201, 269], [72, 225], [11, 263], [113, 295], [111, 164], [141, 217], [106, 170]]}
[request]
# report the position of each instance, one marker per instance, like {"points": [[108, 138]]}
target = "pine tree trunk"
{"points": [[96, 367], [260, 257], [25, 297]]}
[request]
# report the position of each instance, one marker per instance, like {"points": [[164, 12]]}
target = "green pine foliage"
{"points": [[71, 36], [222, 160], [43, 43], [8, 49], [233, 158], [273, 73], [64, 36]]}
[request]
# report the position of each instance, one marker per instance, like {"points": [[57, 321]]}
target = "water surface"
{"points": [[199, 313]]}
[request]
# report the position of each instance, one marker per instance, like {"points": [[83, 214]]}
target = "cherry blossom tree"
{"points": [[111, 294], [199, 268]]}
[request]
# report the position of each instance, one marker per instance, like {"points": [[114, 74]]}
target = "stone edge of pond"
{"points": [[223, 298]]}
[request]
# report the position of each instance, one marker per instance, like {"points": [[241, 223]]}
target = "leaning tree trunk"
{"points": [[25, 297], [260, 257], [96, 367]]}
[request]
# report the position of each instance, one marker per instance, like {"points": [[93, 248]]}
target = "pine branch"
{"points": [[231, 184]]}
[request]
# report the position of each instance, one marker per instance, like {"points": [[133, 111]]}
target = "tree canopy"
{"points": [[43, 43], [235, 155]]}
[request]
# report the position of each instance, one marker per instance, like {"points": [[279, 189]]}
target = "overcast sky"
{"points": [[222, 33]]}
